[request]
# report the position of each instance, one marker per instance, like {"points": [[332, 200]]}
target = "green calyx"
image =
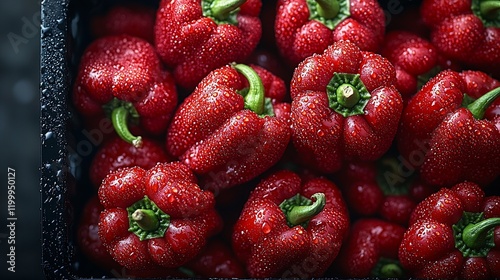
{"points": [[488, 11], [479, 106], [347, 94], [121, 113], [474, 235], [146, 220], [299, 209], [390, 177], [387, 268], [222, 11], [329, 12], [254, 94]]}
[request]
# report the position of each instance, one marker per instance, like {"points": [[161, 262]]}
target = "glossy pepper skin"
{"points": [[385, 189], [371, 250], [454, 234], [194, 37], [155, 217], [412, 56], [344, 107], [92, 247], [121, 75], [116, 153], [449, 138], [227, 131], [287, 224], [468, 31], [306, 27], [130, 18]]}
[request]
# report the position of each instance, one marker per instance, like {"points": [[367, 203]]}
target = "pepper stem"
{"points": [[222, 8], [299, 210], [146, 219], [119, 117], [347, 95], [329, 12], [475, 235], [254, 98], [328, 8], [478, 107], [490, 9], [391, 270]]}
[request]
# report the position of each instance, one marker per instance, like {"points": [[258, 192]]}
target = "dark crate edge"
{"points": [[54, 170]]}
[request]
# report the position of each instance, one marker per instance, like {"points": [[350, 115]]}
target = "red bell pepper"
{"points": [[306, 27], [116, 153], [91, 246], [194, 37], [371, 250], [217, 260], [227, 131], [123, 76], [416, 60], [468, 31], [344, 107], [130, 18], [454, 234], [449, 138], [155, 217], [383, 189], [290, 227]]}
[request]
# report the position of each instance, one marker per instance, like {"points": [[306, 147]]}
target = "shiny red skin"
{"points": [[174, 189], [222, 142], [369, 240], [88, 239], [130, 18], [459, 34], [412, 56], [298, 37], [443, 139], [126, 68], [217, 261], [116, 154], [193, 45], [268, 247], [366, 198], [324, 138], [428, 246]]}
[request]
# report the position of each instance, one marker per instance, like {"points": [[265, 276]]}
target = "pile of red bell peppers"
{"points": [[290, 139]]}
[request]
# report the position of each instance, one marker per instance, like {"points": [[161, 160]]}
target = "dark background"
{"points": [[20, 133]]}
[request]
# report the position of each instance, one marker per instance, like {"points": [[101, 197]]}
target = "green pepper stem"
{"points": [[490, 9], [254, 99], [146, 219], [347, 95], [478, 107], [328, 8], [391, 270], [302, 213], [474, 235], [222, 8], [119, 117]]}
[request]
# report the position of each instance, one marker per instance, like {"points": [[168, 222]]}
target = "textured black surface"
{"points": [[54, 86]]}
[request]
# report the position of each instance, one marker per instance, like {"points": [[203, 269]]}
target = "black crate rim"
{"points": [[54, 85]]}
